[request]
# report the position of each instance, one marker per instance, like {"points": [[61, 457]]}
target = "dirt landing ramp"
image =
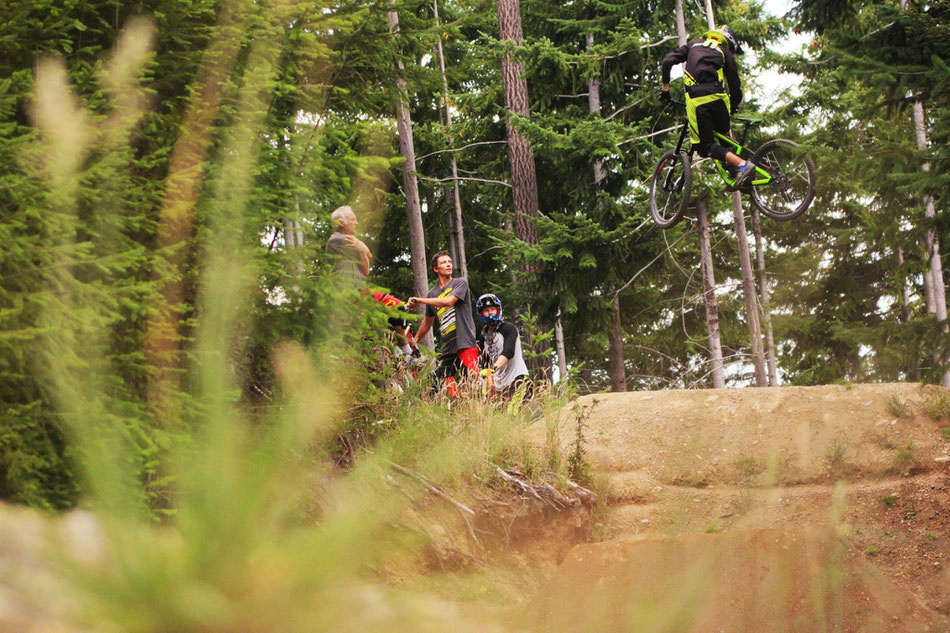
{"points": [[791, 580]]}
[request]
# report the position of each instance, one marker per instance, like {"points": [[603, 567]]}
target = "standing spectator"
{"points": [[505, 370], [351, 256], [351, 259], [451, 301]]}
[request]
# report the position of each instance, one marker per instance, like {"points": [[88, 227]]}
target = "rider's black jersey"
{"points": [[710, 69]]}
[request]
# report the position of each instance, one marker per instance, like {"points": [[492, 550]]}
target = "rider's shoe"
{"points": [[745, 173]]}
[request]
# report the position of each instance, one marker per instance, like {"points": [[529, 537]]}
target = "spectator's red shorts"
{"points": [[469, 358]]}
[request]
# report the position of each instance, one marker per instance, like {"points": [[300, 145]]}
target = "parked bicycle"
{"points": [[782, 187]]}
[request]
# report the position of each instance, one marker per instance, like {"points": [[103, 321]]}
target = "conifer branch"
{"points": [[459, 149]]}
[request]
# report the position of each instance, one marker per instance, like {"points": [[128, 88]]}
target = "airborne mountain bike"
{"points": [[782, 187]]}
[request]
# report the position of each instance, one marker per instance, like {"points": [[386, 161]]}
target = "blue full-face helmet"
{"points": [[485, 301]]}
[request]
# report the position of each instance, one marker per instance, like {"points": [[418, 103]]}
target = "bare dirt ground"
{"points": [[782, 509]]}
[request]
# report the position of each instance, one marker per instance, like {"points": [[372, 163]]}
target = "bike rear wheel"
{"points": [[669, 189], [791, 189]]}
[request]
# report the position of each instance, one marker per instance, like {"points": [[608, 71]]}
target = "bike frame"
{"points": [[762, 176]]}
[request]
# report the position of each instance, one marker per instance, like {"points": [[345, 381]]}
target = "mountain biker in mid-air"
{"points": [[713, 91]]}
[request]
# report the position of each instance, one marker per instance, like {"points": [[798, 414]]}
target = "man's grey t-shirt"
{"points": [[345, 257], [456, 325]]}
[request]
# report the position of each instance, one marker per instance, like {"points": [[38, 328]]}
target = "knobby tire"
{"points": [[792, 188], [669, 189]]}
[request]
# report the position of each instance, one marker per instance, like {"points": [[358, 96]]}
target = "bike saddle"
{"points": [[748, 120]]}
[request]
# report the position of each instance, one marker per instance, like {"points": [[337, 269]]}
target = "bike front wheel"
{"points": [[791, 185], [669, 189]]}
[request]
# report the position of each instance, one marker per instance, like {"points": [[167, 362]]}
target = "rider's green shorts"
{"points": [[694, 102]]}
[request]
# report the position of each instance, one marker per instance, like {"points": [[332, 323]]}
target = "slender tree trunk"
{"points": [[928, 282], [938, 294], [680, 23], [453, 235], [293, 235], [559, 344], [417, 244], [938, 288], [933, 244], [905, 291], [615, 361], [709, 298], [705, 255], [524, 180], [770, 358], [710, 18], [748, 290], [618, 374], [458, 231], [593, 104]]}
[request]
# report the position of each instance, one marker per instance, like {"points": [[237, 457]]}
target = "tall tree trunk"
{"points": [[748, 290], [710, 18], [905, 290], [938, 288], [460, 259], [453, 236], [618, 373], [417, 244], [593, 105], [764, 296], [680, 23], [705, 256], [559, 345], [293, 235], [524, 180], [933, 244], [928, 281], [938, 295], [709, 297]]}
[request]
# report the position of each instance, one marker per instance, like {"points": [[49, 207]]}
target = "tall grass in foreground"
{"points": [[260, 533]]}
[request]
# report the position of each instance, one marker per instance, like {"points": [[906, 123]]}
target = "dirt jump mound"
{"points": [[780, 509]]}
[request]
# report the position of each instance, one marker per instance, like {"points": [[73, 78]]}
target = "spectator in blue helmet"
{"points": [[500, 346]]}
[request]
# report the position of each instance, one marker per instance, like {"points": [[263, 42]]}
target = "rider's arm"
{"points": [[509, 334], [731, 72], [676, 57]]}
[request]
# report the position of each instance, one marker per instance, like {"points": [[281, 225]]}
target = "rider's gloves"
{"points": [[488, 380], [665, 97]]}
